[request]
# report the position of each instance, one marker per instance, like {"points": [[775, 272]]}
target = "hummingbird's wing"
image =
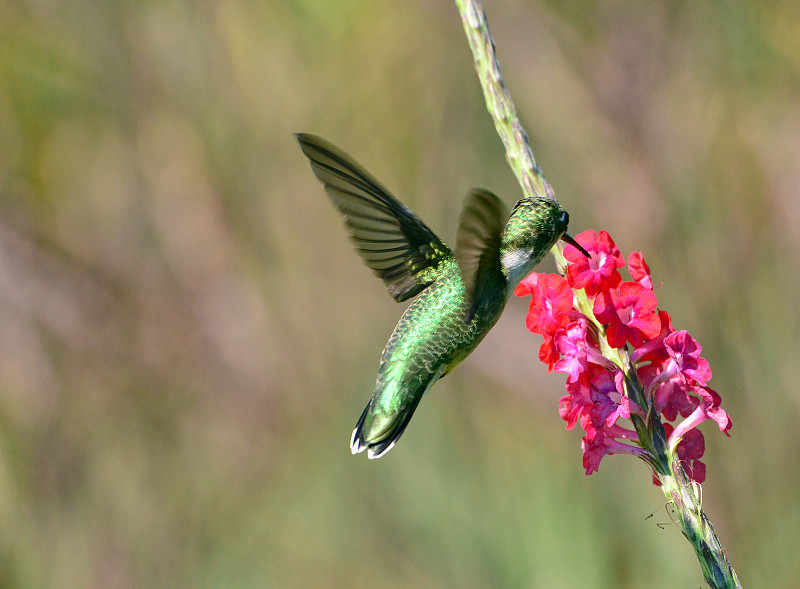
{"points": [[478, 248], [391, 239]]}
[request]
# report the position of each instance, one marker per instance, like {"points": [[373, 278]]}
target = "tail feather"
{"points": [[360, 440], [376, 432]]}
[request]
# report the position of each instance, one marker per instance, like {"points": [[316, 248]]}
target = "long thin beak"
{"points": [[566, 237]]}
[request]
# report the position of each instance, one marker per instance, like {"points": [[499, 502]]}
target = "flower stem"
{"points": [[499, 103], [697, 529]]}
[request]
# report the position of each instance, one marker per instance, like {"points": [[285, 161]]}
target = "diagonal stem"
{"points": [[698, 530], [499, 103]]}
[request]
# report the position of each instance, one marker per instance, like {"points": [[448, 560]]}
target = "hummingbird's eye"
{"points": [[565, 218]]}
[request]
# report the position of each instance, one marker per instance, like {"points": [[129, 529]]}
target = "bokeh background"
{"points": [[187, 338]]}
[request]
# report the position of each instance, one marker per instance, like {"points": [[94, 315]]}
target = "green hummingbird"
{"points": [[461, 295]]}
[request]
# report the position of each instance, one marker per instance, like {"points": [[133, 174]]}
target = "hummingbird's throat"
{"points": [[517, 264]]}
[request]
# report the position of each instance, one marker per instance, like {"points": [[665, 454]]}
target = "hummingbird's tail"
{"points": [[377, 433], [388, 412]]}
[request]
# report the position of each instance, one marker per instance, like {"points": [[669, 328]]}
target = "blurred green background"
{"points": [[187, 338]]}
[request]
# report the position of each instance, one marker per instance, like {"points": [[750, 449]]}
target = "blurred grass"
{"points": [[187, 338]]}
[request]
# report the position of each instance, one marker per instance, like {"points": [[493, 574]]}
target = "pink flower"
{"points": [[610, 402], [689, 451], [597, 443], [639, 270], [576, 351], [707, 406], [598, 272], [672, 398], [550, 305], [548, 352], [684, 350], [527, 285], [629, 313], [653, 350], [576, 403], [571, 344]]}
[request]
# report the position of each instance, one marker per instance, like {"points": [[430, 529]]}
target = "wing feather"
{"points": [[393, 242], [478, 248]]}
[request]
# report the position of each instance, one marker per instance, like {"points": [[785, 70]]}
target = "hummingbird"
{"points": [[459, 297]]}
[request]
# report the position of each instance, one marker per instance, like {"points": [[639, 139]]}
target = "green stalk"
{"points": [[679, 490], [697, 529], [499, 103]]}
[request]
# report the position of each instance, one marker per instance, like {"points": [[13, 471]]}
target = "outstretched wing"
{"points": [[391, 239], [478, 248]]}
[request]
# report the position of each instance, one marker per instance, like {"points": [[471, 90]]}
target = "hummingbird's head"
{"points": [[535, 225]]}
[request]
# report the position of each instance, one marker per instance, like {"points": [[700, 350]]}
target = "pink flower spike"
{"points": [[685, 351], [591, 306], [629, 313], [598, 272], [640, 271]]}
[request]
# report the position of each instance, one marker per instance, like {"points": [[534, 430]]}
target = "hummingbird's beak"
{"points": [[566, 237]]}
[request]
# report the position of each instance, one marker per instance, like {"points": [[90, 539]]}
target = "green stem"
{"points": [[697, 529], [499, 103]]}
